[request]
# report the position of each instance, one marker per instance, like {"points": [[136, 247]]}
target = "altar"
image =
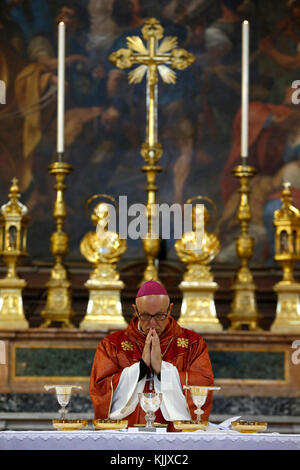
{"points": [[116, 441]]}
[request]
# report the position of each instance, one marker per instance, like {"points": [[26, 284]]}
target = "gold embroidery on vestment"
{"points": [[182, 342], [127, 346]]}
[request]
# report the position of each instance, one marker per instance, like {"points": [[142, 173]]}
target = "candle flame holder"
{"points": [[244, 310], [58, 307]]}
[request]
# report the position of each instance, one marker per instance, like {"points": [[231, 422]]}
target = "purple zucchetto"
{"points": [[151, 288]]}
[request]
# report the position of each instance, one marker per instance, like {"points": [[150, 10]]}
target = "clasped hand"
{"points": [[152, 352]]}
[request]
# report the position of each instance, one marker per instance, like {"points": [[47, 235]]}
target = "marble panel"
{"points": [[76, 362], [250, 365], [54, 362]]}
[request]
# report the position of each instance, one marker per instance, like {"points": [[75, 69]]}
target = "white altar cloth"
{"points": [[116, 440]]}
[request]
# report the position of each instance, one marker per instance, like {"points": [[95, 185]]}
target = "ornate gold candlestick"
{"points": [[287, 249], [13, 234], [58, 307], [103, 249], [198, 311], [151, 245], [151, 60], [244, 308]]}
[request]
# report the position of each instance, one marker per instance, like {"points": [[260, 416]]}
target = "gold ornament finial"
{"points": [[14, 203], [153, 29], [14, 189], [287, 211]]}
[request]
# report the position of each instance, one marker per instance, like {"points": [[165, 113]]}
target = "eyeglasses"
{"points": [[157, 316]]}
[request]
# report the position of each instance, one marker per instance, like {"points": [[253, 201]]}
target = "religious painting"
{"points": [[105, 116]]}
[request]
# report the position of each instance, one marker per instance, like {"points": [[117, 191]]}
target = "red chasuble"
{"points": [[183, 348]]}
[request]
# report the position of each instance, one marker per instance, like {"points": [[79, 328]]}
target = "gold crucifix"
{"points": [[154, 58]]}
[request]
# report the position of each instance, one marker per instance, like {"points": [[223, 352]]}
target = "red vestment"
{"points": [[183, 348]]}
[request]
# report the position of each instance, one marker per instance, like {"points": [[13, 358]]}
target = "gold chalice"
{"points": [[199, 396], [63, 396]]}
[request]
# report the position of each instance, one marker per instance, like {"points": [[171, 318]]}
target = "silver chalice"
{"points": [[150, 403]]}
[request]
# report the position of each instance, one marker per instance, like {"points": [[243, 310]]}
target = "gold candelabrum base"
{"points": [[198, 311], [104, 311], [11, 309], [58, 307], [287, 318], [244, 310]]}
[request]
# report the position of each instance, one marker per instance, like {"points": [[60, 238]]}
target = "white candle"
{"points": [[245, 88], [61, 88]]}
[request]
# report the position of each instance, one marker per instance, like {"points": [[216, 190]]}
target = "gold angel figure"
{"points": [[102, 247], [198, 286], [188, 248]]}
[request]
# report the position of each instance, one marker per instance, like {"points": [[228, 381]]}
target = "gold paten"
{"points": [[190, 426], [13, 227], [58, 307], [287, 254], [244, 310], [69, 424], [103, 248], [153, 59], [109, 424], [198, 310], [249, 426]]}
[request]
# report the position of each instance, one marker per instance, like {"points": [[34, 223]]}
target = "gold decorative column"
{"points": [[103, 248], [152, 60], [244, 310], [13, 235], [198, 311], [58, 307], [287, 254]]}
